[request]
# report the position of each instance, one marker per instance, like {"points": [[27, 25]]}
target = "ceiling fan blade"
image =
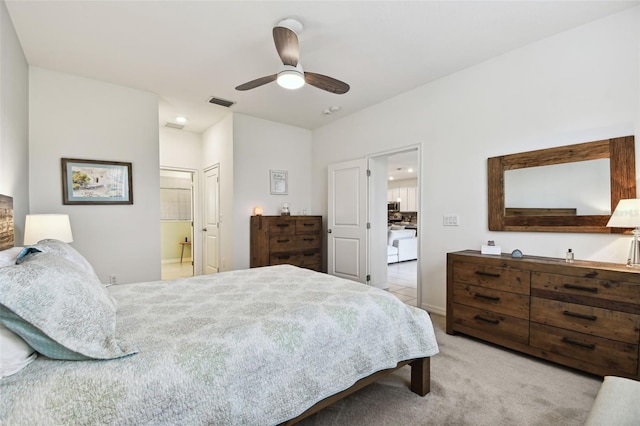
{"points": [[257, 82], [324, 82], [286, 41]]}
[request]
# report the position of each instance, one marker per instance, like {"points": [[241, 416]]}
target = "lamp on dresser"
{"points": [[47, 226], [627, 215]]}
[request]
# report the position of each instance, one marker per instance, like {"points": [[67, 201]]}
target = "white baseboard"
{"points": [[184, 260], [434, 309]]}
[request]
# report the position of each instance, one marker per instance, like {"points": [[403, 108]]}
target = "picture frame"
{"points": [[279, 182], [96, 182]]}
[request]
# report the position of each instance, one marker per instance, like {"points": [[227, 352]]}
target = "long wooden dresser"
{"points": [[585, 315], [295, 240]]}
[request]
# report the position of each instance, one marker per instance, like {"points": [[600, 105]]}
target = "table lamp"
{"points": [[47, 226], [627, 215]]}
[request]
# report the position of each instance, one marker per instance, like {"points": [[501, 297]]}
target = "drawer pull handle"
{"points": [[489, 320], [282, 225], [308, 239], [484, 296], [309, 254], [283, 241], [284, 257], [309, 224], [576, 315], [581, 288], [581, 344], [487, 274]]}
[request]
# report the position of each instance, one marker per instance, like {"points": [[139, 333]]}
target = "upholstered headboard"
{"points": [[6, 222]]}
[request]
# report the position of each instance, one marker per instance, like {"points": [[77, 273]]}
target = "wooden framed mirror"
{"points": [[618, 152]]}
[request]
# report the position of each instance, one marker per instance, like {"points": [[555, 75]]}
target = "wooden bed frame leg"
{"points": [[421, 376]]}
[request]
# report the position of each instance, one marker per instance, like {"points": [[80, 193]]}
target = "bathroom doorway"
{"points": [[176, 223]]}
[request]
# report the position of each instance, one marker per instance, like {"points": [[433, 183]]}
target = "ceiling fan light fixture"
{"points": [[291, 77]]}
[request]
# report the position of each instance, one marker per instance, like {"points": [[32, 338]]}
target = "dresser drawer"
{"points": [[499, 278], [280, 243], [282, 226], [299, 259], [570, 288], [308, 226], [503, 302], [613, 325], [612, 356], [309, 259], [491, 325]]}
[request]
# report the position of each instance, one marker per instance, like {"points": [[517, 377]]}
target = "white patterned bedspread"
{"points": [[250, 347]]}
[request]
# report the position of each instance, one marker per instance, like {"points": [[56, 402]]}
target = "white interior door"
{"points": [[211, 230], [347, 220]]}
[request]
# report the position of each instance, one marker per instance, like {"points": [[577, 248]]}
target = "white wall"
{"points": [[259, 146], [14, 122], [75, 117], [578, 86]]}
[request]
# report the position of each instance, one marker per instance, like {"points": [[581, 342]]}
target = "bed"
{"points": [[262, 346]]}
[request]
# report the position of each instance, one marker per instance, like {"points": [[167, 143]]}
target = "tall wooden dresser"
{"points": [[585, 315], [294, 240]]}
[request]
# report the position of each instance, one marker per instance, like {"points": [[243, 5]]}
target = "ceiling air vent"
{"points": [[221, 102], [174, 125]]}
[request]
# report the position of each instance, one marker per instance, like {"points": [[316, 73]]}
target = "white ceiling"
{"points": [[188, 51]]}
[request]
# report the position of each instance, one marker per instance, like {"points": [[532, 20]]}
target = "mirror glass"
{"points": [[580, 188]]}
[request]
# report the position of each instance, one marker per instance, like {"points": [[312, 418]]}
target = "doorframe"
{"points": [[401, 150], [195, 213]]}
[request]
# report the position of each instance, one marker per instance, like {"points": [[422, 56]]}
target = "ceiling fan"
{"points": [[291, 75]]}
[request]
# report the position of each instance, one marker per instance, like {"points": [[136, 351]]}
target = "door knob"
{"points": [[329, 231], [204, 229]]}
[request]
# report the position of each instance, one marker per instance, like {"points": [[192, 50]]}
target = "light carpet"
{"points": [[472, 383]]}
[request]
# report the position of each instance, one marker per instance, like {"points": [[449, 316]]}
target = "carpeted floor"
{"points": [[472, 383]]}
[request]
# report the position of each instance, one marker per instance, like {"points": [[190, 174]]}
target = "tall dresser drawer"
{"points": [[571, 288], [308, 226], [310, 260], [605, 323], [280, 243], [609, 355], [282, 226], [499, 278], [503, 302], [493, 326]]}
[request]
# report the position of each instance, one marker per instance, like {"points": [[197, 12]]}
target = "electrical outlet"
{"points": [[450, 220], [113, 279]]}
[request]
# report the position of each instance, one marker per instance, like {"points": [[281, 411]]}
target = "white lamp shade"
{"points": [[626, 214], [47, 226]]}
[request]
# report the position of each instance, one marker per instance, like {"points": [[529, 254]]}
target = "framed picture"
{"points": [[96, 182], [279, 184]]}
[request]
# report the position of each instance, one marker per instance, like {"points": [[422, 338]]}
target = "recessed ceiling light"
{"points": [[181, 119], [390, 177], [410, 170]]}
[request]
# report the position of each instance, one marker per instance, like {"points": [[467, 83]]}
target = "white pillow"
{"points": [[8, 256], [15, 353]]}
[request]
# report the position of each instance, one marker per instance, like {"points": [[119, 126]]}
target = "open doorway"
{"points": [[394, 212], [176, 223], [402, 216]]}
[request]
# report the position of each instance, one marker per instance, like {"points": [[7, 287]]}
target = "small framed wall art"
{"points": [[96, 182], [279, 182]]}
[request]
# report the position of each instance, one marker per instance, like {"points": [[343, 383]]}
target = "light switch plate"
{"points": [[450, 220]]}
